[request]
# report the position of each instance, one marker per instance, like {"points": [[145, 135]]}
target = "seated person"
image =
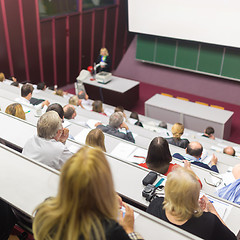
{"points": [[177, 132], [15, 84], [74, 100], [8, 81], [95, 138], [134, 115], [26, 95], [98, 107], [193, 153], [69, 111], [86, 205], [209, 133], [121, 109], [231, 192], [182, 208], [229, 150], [48, 146], [41, 86], [15, 109], [104, 61], [162, 125], [116, 122], [85, 101], [159, 157]]}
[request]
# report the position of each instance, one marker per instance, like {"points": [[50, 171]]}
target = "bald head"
{"points": [[236, 171], [229, 150], [194, 149]]}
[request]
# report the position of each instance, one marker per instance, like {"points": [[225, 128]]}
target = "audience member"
{"points": [[57, 108], [98, 107], [121, 109], [83, 95], [177, 131], [59, 92], [209, 133], [15, 84], [86, 206], [15, 109], [2, 77], [69, 111], [182, 208], [85, 101], [74, 100], [134, 115], [41, 86], [193, 153], [8, 81], [162, 125], [231, 192], [26, 95], [116, 122], [48, 146], [95, 138], [229, 150]]}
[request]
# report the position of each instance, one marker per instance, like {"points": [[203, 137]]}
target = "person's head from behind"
{"points": [[16, 110], [209, 131], [85, 197], [134, 115], [82, 95], [182, 191], [194, 149], [162, 125], [2, 77], [74, 100], [229, 150], [41, 86], [49, 126], [116, 119], [15, 84], [95, 138], [119, 109], [177, 130], [57, 108], [59, 92], [97, 106], [26, 91], [69, 112], [104, 52], [159, 156]]}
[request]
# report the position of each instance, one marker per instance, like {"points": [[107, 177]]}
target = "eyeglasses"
{"points": [[214, 184]]}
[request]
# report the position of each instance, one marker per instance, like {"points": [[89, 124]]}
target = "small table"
{"points": [[117, 92], [194, 116]]}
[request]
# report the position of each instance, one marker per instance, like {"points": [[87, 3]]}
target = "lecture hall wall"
{"points": [[54, 50]]}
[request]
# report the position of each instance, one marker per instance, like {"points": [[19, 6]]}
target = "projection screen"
{"points": [[209, 21]]}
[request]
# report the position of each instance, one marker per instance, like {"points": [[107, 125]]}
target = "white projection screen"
{"points": [[209, 21]]}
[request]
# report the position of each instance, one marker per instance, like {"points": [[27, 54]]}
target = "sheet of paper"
{"points": [[91, 123], [138, 156], [73, 148], [123, 130], [109, 111], [222, 145], [66, 123], [81, 137], [123, 150], [217, 148]]}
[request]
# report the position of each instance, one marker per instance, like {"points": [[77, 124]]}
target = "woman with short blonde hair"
{"points": [[2, 77], [181, 207], [16, 110], [86, 206], [95, 138], [177, 132]]}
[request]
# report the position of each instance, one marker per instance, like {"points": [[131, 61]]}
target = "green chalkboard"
{"points": [[165, 51], [188, 55], [210, 59]]}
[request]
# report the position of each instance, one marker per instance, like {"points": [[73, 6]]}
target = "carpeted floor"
{"points": [[147, 91]]}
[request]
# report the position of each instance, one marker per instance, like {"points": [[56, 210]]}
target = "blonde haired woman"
{"points": [[177, 132], [104, 61], [95, 138], [182, 208], [16, 110], [2, 77], [86, 206]]}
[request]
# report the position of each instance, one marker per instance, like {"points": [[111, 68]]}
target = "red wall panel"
{"points": [[14, 29], [4, 66], [74, 46], [31, 40], [47, 52]]}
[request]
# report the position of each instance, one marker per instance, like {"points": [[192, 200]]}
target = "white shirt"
{"points": [[47, 151], [26, 102]]}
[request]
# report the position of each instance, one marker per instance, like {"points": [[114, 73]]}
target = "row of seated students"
{"points": [[60, 135]]}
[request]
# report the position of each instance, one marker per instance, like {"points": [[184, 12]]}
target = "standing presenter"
{"points": [[104, 61]]}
